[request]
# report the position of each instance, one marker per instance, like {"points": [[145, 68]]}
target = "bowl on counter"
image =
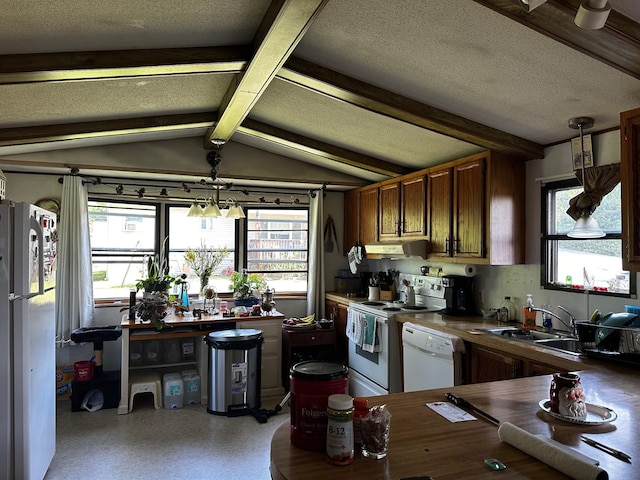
{"points": [[325, 323]]}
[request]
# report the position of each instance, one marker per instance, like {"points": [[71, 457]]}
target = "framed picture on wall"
{"points": [[579, 154]]}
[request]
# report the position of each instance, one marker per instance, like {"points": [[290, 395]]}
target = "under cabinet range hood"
{"points": [[397, 249]]}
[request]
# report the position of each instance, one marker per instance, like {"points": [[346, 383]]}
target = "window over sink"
{"points": [[583, 264]]}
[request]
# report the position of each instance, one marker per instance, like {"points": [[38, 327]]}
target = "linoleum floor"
{"points": [[187, 443]]}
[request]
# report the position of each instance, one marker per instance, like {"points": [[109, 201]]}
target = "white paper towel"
{"points": [[558, 456], [460, 269]]}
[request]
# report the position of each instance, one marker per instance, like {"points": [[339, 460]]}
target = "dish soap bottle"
{"points": [[510, 307], [528, 314]]}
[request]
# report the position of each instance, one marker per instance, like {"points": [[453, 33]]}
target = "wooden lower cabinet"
{"points": [[337, 312], [487, 365]]}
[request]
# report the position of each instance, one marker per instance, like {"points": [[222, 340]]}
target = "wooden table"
{"points": [[424, 443], [177, 326]]}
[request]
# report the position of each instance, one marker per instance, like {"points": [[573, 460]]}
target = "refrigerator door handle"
{"points": [[35, 225]]}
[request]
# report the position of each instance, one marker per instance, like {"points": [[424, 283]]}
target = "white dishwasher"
{"points": [[431, 359]]}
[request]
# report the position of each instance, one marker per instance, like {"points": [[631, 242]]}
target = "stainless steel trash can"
{"points": [[234, 371]]}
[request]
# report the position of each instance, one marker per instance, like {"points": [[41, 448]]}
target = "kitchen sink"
{"points": [[524, 334], [556, 340], [567, 345]]}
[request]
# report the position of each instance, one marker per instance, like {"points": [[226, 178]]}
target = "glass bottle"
{"points": [[511, 309]]}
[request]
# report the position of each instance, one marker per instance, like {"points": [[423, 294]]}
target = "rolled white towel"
{"points": [[554, 454]]}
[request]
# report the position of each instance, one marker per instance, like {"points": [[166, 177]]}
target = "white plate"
{"points": [[596, 415], [300, 326]]}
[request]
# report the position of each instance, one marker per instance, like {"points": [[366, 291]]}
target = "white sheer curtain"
{"points": [[74, 286], [315, 297]]}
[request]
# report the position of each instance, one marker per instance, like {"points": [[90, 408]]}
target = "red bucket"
{"points": [[83, 371]]}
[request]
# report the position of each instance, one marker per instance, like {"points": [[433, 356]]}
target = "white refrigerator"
{"points": [[27, 341]]}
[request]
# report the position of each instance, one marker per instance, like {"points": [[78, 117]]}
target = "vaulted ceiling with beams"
{"points": [[368, 89]]}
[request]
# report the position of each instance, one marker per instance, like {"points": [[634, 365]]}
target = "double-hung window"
{"points": [[583, 264], [277, 246], [122, 234]]}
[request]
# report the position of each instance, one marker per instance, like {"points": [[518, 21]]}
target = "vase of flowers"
{"points": [[246, 288], [203, 261]]}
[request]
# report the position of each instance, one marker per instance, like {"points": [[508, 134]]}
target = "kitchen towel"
{"points": [[554, 454], [355, 327], [370, 342]]}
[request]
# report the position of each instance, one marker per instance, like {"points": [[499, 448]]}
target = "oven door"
{"points": [[374, 366]]}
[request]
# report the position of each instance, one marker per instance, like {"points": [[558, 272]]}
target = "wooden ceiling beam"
{"points": [[350, 90], [75, 66], [104, 128], [308, 145], [282, 28], [617, 44]]}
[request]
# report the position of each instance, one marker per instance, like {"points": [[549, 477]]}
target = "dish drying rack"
{"points": [[620, 344]]}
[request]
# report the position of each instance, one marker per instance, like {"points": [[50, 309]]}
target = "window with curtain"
{"points": [[122, 235], [277, 246], [583, 264]]}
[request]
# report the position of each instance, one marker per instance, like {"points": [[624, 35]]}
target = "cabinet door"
{"points": [[389, 210], [351, 220], [630, 186], [368, 219], [439, 212], [469, 209], [413, 199], [489, 365]]}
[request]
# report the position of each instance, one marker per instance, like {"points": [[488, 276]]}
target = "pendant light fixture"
{"points": [[585, 226]]}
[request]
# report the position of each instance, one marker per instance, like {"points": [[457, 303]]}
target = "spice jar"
{"points": [[340, 429], [567, 397], [360, 409]]}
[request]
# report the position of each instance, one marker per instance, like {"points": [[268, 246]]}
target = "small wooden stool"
{"points": [[145, 383]]}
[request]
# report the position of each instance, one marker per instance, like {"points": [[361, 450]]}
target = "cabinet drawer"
{"points": [[269, 328], [314, 337]]}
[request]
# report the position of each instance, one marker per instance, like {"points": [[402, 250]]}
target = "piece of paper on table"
{"points": [[450, 411]]}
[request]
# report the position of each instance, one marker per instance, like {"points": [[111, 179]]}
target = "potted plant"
{"points": [[246, 288], [203, 261], [153, 308], [157, 270]]}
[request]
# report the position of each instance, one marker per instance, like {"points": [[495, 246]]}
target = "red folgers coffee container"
{"points": [[311, 383]]}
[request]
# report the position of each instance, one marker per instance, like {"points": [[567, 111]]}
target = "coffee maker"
{"points": [[458, 294]]}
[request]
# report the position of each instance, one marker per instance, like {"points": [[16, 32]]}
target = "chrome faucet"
{"points": [[572, 320]]}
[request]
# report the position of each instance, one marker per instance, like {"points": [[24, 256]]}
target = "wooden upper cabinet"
{"points": [[630, 188], [412, 204], [440, 204], [368, 216], [351, 220], [469, 209], [389, 210], [402, 207]]}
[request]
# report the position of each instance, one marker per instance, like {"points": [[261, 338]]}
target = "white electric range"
{"points": [[380, 372]]}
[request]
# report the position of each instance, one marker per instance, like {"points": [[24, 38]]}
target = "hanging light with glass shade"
{"points": [[585, 226]]}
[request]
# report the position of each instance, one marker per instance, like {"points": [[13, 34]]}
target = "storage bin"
{"points": [[173, 390], [153, 352], [188, 349], [191, 381], [172, 351]]}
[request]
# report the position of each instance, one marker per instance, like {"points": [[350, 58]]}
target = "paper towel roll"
{"points": [[556, 455], [460, 269]]}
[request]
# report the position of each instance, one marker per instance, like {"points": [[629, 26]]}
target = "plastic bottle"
{"points": [[340, 429], [528, 314], [360, 409], [511, 309]]}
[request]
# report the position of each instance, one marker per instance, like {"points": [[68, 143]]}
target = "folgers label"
{"points": [[311, 384]]}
